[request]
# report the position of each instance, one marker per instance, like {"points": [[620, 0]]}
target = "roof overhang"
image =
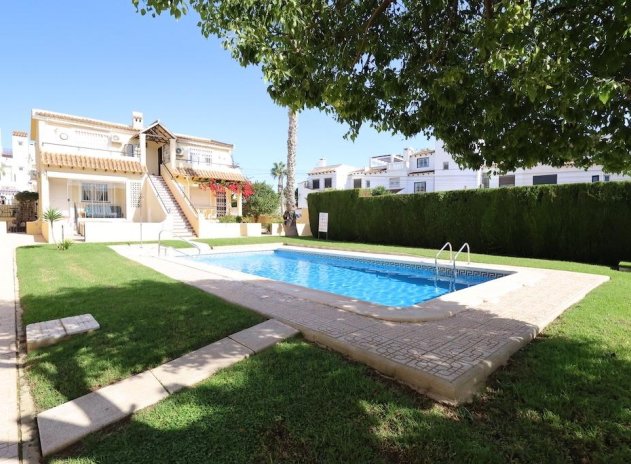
{"points": [[158, 133], [205, 175], [83, 162]]}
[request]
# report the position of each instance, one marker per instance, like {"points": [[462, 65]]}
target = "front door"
{"points": [[159, 161]]}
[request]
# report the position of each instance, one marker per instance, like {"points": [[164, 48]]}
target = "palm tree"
{"points": [[279, 170], [51, 215], [292, 142]]}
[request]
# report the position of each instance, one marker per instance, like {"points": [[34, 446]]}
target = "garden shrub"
{"points": [[577, 222]]}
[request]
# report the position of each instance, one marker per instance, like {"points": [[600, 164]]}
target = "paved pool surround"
{"points": [[444, 348]]}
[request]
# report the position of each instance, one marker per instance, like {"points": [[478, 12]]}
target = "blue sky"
{"points": [[104, 60]]}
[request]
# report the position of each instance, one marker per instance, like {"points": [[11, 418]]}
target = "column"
{"points": [[172, 153], [143, 149], [239, 204]]}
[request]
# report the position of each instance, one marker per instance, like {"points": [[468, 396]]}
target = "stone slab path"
{"points": [[9, 411], [447, 359], [50, 332], [68, 423]]}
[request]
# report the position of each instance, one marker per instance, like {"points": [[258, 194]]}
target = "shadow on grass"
{"points": [[299, 403], [143, 324]]}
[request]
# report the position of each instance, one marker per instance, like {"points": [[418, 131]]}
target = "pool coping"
{"points": [[442, 307]]}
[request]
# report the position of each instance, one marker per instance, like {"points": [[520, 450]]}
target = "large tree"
{"points": [[509, 83]]}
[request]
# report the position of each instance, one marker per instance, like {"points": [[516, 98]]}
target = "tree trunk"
{"points": [[292, 142]]}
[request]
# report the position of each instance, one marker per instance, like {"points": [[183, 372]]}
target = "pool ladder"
{"points": [[452, 257]]}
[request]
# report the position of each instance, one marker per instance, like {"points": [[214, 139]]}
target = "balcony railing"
{"points": [[127, 150]]}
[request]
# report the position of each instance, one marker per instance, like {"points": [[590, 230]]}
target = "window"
{"points": [[420, 187], [367, 184], [357, 183], [445, 165], [394, 182], [328, 182], [595, 178], [315, 184], [607, 178], [95, 193], [507, 181], [545, 179], [422, 162]]}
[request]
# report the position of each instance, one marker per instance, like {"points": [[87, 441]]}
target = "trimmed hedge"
{"points": [[574, 222]]}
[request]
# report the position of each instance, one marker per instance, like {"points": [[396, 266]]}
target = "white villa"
{"points": [[434, 170], [123, 182], [17, 167]]}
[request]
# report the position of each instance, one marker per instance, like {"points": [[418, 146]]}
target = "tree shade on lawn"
{"points": [[145, 317]]}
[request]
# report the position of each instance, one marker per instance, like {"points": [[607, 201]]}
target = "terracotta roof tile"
{"points": [[20, 134], [234, 175], [323, 169], [92, 162], [80, 119]]}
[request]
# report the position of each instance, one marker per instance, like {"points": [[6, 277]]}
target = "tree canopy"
{"points": [[503, 83], [264, 200]]}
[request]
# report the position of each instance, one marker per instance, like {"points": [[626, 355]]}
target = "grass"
{"points": [[564, 398], [145, 317]]}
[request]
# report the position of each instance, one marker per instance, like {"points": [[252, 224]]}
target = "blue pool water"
{"points": [[384, 283]]}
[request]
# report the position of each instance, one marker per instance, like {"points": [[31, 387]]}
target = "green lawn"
{"points": [[564, 398], [145, 317]]}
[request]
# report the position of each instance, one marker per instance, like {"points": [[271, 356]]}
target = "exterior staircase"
{"points": [[181, 226]]}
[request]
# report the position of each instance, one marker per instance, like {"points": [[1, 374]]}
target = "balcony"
{"points": [[127, 151]]}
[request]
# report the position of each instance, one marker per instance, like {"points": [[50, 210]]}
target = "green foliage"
{"points": [[264, 201], [64, 244], [578, 222], [26, 196], [501, 82], [228, 219], [380, 190], [52, 215]]}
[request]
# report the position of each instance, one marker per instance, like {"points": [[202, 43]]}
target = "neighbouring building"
{"points": [[434, 170], [17, 167], [119, 182]]}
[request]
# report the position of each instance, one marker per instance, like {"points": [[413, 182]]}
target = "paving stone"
{"points": [[198, 365], [264, 335], [68, 423], [44, 334], [79, 324], [9, 454]]}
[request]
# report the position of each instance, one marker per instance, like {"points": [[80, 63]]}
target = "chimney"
{"points": [[137, 120], [322, 162]]}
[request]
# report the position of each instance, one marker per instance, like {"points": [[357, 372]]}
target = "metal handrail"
{"points": [[155, 189], [459, 251], [195, 245], [465, 245], [451, 252], [188, 200]]}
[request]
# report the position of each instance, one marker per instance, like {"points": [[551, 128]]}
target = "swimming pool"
{"points": [[387, 283]]}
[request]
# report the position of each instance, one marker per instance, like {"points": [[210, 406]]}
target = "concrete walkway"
{"points": [[9, 410], [68, 423], [448, 359]]}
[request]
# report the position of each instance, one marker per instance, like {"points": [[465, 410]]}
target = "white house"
{"points": [[118, 182], [324, 177], [17, 167], [434, 170]]}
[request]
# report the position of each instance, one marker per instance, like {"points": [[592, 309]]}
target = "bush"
{"points": [[228, 219], [577, 222], [64, 244], [265, 200]]}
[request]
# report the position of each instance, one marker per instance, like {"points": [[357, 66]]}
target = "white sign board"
{"points": [[323, 222]]}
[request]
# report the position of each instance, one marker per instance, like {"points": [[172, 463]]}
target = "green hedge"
{"points": [[575, 222]]}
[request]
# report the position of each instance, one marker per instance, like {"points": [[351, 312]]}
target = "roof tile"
{"points": [[92, 162]]}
